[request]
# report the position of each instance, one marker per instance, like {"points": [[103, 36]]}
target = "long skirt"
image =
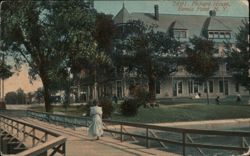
{"points": [[95, 129]]}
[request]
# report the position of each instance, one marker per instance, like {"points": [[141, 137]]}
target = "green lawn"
{"points": [[72, 110], [174, 110], [187, 112]]}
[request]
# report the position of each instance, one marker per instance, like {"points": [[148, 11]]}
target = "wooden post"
{"points": [[64, 149], [121, 133], [184, 143], [18, 130], [241, 144], [46, 137], [86, 122], [24, 131], [33, 137], [12, 127], [147, 140]]}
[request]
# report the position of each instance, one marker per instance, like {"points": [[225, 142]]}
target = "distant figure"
{"points": [[199, 94], [217, 100], [95, 130], [115, 99], [247, 153], [196, 96], [238, 98]]}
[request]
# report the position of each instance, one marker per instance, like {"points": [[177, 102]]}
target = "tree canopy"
{"points": [[147, 52], [200, 60], [239, 57], [45, 34], [5, 71]]}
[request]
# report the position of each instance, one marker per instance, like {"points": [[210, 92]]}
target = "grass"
{"points": [[176, 110], [72, 110], [187, 112]]}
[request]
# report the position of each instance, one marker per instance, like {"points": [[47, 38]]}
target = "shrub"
{"points": [[86, 108], [129, 107], [141, 96], [107, 107], [105, 103]]}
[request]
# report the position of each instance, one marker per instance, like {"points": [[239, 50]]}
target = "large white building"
{"points": [[220, 29]]}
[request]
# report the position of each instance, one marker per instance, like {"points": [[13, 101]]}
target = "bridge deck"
{"points": [[79, 144]]}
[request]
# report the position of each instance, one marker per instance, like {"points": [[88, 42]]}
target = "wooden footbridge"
{"points": [[35, 133]]}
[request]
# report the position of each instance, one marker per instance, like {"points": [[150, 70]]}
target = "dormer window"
{"points": [[210, 35], [219, 35], [222, 35], [227, 35], [180, 34], [216, 34]]}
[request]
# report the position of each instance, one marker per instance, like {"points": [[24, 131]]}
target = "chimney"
{"points": [[157, 12], [212, 13]]}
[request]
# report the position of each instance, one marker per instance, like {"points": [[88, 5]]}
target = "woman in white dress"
{"points": [[95, 129]]}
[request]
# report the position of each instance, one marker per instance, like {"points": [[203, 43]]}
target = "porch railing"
{"points": [[181, 137]]}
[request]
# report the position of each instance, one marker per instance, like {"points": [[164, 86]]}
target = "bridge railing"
{"points": [[38, 141], [182, 137]]}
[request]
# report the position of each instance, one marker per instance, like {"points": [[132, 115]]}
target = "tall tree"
{"points": [[44, 33], [239, 57], [95, 60], [5, 72], [11, 98], [200, 60], [104, 32], [21, 96], [148, 52]]}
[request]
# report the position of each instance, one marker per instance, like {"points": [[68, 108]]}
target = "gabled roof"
{"points": [[197, 25], [178, 25], [217, 24], [122, 16], [193, 23]]}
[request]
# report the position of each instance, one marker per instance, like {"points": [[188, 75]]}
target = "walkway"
{"points": [[78, 143]]}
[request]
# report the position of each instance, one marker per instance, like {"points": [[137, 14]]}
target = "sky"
{"points": [[238, 8], [21, 80]]}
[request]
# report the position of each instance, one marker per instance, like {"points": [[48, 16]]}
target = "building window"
{"points": [[211, 86], [119, 89], [180, 33], [222, 35], [205, 87], [183, 34], [210, 35], [216, 35], [227, 35], [158, 87], [196, 87], [237, 87], [180, 88], [221, 86], [219, 34]]}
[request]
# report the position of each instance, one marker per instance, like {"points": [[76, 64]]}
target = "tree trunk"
{"points": [[207, 92], [95, 85], [46, 93], [151, 85], [67, 97], [2, 101]]}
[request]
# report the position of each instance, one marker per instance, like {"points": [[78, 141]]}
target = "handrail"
{"points": [[162, 128], [33, 126], [44, 147], [40, 144], [183, 132]]}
